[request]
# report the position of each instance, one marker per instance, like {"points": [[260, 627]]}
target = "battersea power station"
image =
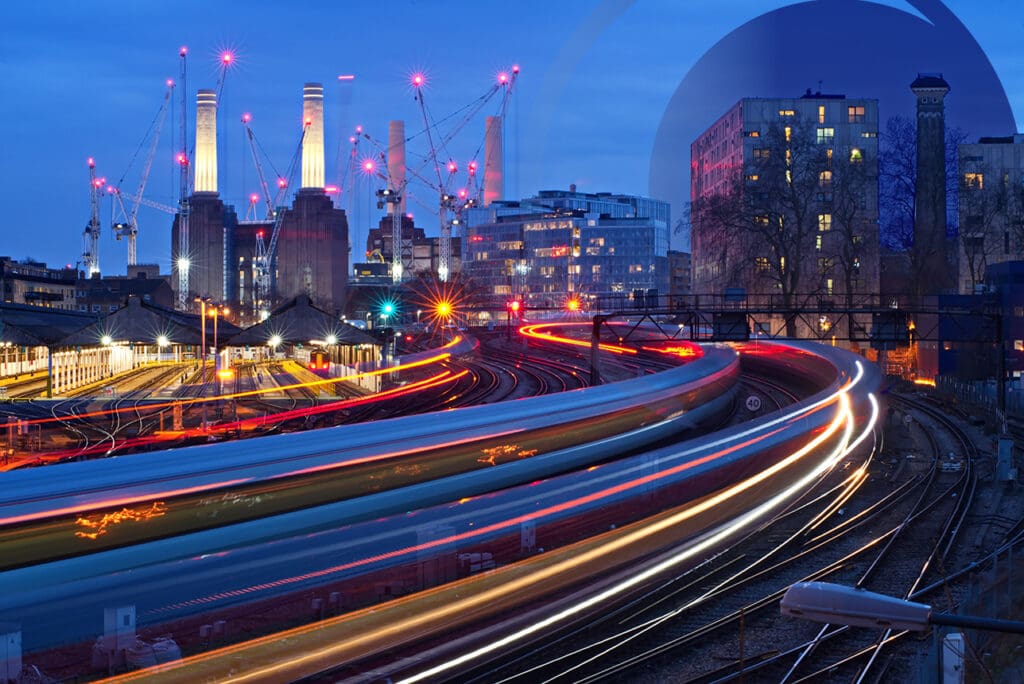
{"points": [[253, 265]]}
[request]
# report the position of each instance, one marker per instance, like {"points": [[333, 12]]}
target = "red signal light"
{"points": [[514, 306]]}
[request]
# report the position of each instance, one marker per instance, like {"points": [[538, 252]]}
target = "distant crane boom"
{"points": [[264, 262], [130, 228]]}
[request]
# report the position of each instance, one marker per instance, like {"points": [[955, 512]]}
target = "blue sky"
{"points": [[86, 79]]}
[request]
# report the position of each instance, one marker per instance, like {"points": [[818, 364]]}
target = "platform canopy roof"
{"points": [[299, 322], [26, 325], [139, 322]]}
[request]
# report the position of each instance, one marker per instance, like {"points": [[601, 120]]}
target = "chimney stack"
{"points": [[494, 183], [206, 141], [396, 162], [313, 141]]}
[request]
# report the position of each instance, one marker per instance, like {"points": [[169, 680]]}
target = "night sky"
{"points": [[87, 79]]}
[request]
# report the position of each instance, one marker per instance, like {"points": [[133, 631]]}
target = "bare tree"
{"points": [[984, 202], [762, 232], [853, 241], [897, 170]]}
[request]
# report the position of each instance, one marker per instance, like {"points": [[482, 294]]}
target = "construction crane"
{"points": [[182, 261], [265, 253], [246, 118], [130, 226], [91, 235]]}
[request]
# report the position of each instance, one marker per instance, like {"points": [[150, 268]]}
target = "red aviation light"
{"points": [[246, 118], [463, 193], [254, 198], [308, 121], [502, 78], [170, 83], [515, 68], [282, 183], [472, 167], [452, 167], [369, 166], [227, 58], [514, 306], [91, 162], [352, 139], [259, 234], [359, 129], [331, 189], [418, 80], [182, 159], [182, 51]]}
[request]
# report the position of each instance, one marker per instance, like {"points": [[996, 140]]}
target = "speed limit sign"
{"points": [[753, 403]]}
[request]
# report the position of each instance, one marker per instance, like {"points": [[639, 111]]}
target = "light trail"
{"points": [[287, 665]]}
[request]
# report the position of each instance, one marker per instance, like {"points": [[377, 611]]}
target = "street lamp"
{"points": [[839, 605]]}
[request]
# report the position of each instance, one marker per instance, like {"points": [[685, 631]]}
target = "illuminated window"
{"points": [[761, 263], [856, 113], [760, 153], [752, 177], [856, 156], [1018, 345], [828, 286], [761, 220], [825, 179], [869, 134], [789, 133], [826, 136], [787, 112], [753, 134], [974, 181], [824, 222], [817, 242], [597, 242], [821, 113]]}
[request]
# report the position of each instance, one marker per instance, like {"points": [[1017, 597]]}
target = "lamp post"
{"points": [[839, 605], [202, 319]]}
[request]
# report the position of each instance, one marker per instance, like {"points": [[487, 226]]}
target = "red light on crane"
{"points": [[182, 159], [515, 68], [254, 198], [246, 118], [308, 121], [91, 162], [259, 234], [352, 139], [183, 51], [330, 189], [359, 129], [472, 167], [418, 80], [170, 83], [452, 167], [503, 78], [227, 58], [463, 193], [282, 183], [99, 182], [369, 166], [110, 189]]}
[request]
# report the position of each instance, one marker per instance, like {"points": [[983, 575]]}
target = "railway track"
{"points": [[723, 616]]}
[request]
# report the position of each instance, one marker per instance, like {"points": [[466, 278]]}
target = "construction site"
{"points": [[277, 250]]}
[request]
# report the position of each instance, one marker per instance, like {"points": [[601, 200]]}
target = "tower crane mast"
{"points": [[183, 259], [91, 235]]}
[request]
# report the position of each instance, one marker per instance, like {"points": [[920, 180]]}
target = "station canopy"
{"points": [[299, 322], [32, 326], [141, 323]]}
